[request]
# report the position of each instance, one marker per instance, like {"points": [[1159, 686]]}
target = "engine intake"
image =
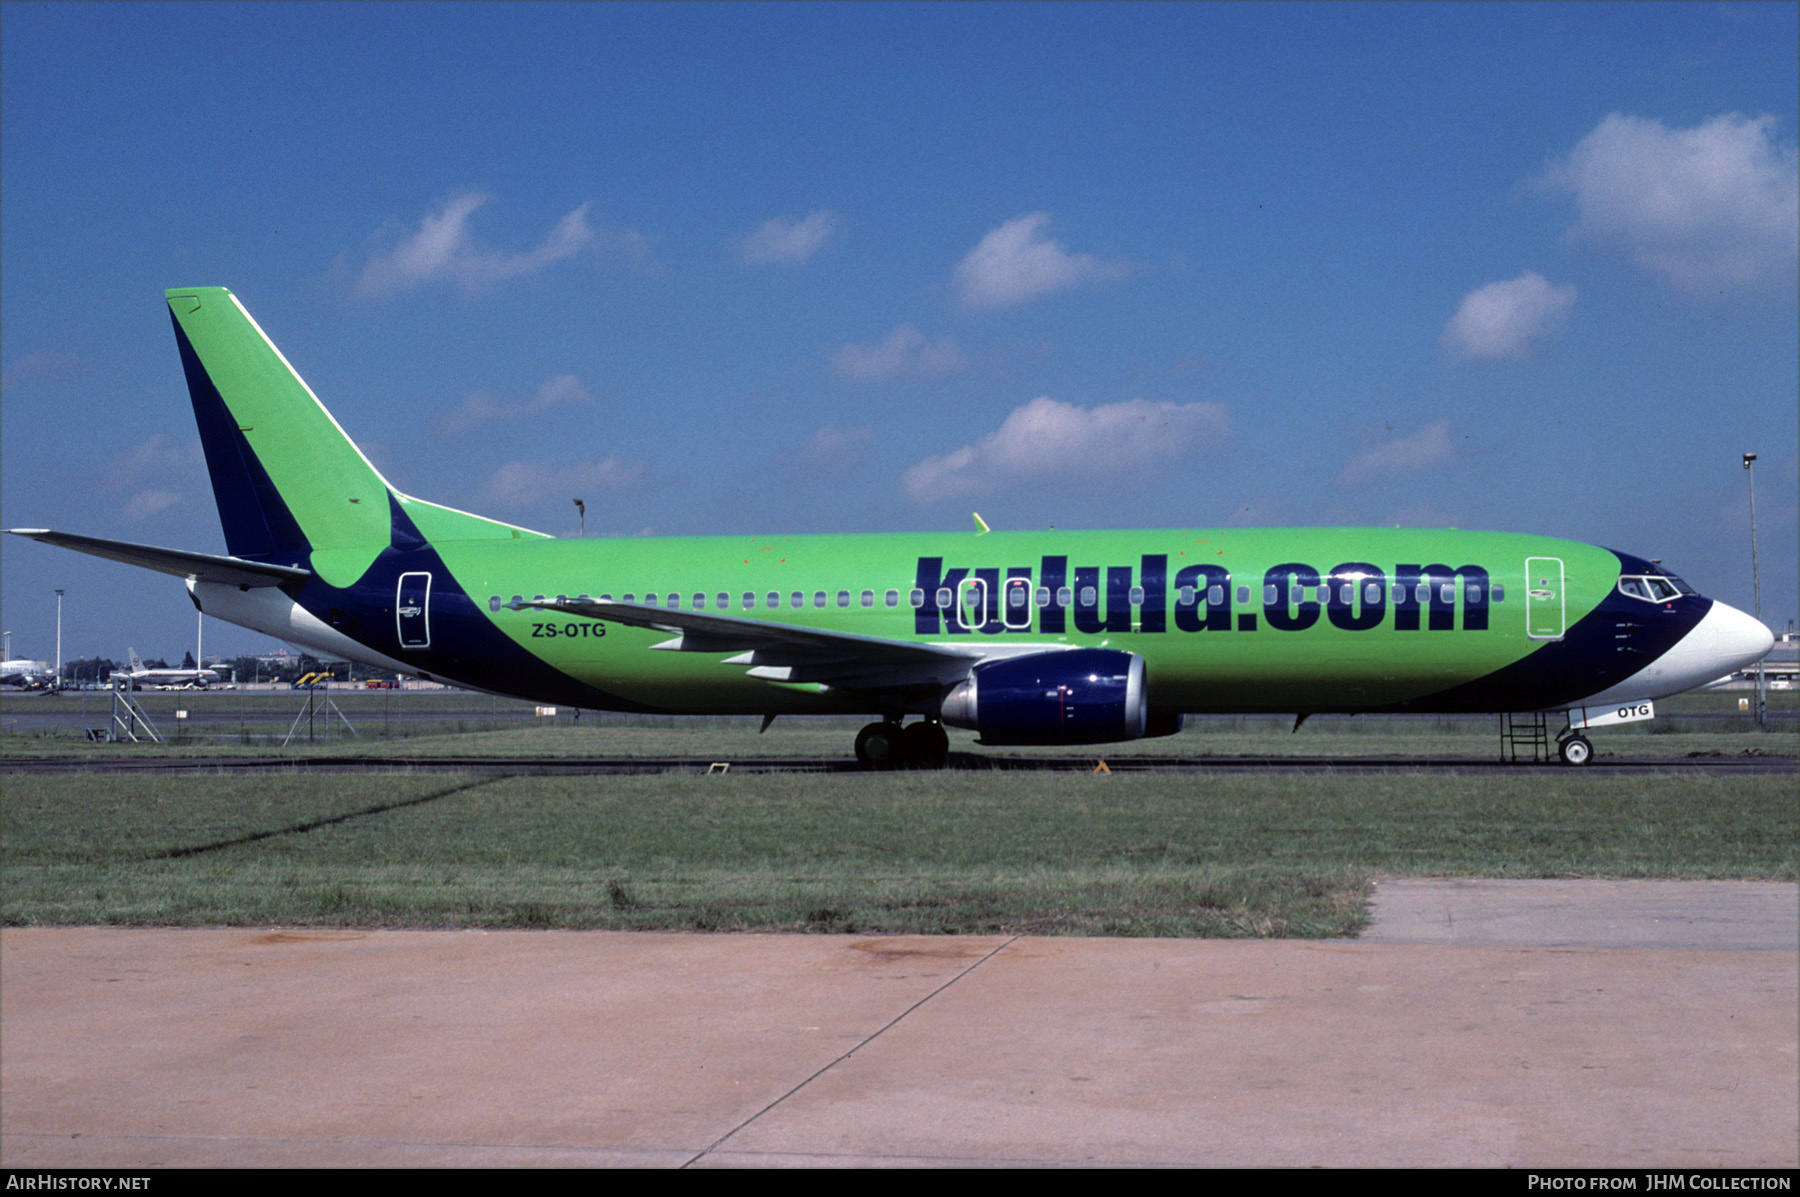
{"points": [[1081, 696]]}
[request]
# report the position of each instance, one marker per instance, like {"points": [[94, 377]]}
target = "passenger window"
{"points": [[749, 600], [1015, 597], [1243, 595], [674, 603], [774, 599], [1472, 594], [1186, 597], [628, 599], [1136, 597], [1270, 596], [1496, 592], [1371, 593], [699, 602], [943, 598], [843, 598], [1216, 596], [818, 598], [649, 599], [1447, 593], [868, 598], [1064, 596], [797, 600], [917, 598], [494, 603], [893, 598], [724, 601], [1042, 597], [1089, 596]]}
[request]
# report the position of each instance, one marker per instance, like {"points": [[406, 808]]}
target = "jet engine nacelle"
{"points": [[1081, 696]]}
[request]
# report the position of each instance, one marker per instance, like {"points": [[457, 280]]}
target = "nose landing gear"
{"points": [[1526, 737], [1575, 750]]}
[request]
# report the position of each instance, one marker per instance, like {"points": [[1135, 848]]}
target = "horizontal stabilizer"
{"points": [[202, 567]]}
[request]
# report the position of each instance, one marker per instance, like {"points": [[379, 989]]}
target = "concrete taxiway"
{"points": [[1478, 1023]]}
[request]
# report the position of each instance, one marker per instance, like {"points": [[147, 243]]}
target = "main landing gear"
{"points": [[887, 745]]}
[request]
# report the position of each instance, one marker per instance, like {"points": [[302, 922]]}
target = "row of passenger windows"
{"points": [[722, 601], [1016, 596]]}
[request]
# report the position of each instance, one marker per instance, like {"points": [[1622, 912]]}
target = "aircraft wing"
{"points": [[781, 652], [202, 567]]}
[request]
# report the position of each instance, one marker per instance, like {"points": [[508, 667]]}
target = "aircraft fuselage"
{"points": [[1292, 620]]}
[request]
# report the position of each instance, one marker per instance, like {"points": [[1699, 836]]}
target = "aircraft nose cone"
{"points": [[1723, 642], [1734, 639]]}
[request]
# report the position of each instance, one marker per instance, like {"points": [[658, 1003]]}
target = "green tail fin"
{"points": [[286, 477]]}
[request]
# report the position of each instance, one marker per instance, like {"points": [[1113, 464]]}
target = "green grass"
{"points": [[956, 852]]}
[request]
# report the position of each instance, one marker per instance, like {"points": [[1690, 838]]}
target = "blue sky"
{"points": [[817, 268]]}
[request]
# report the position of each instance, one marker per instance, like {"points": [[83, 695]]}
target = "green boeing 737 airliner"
{"points": [[1023, 637]]}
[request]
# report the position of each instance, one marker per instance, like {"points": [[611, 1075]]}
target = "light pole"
{"points": [[1762, 694], [581, 510], [58, 675]]}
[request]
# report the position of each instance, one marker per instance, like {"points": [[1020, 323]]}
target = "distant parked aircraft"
{"points": [[168, 679], [27, 675]]}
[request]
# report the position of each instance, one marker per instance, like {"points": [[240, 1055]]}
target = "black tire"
{"points": [[881, 746], [927, 745], [1575, 751]]}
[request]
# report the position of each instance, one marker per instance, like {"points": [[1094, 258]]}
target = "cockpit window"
{"points": [[1653, 588]]}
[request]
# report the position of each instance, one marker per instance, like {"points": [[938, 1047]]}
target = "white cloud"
{"points": [[150, 472], [831, 450], [484, 406], [146, 503], [1017, 262], [443, 250], [787, 242], [155, 474], [522, 483], [903, 353], [1709, 208], [1427, 447], [1058, 444], [39, 368], [1424, 515], [1506, 319]]}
